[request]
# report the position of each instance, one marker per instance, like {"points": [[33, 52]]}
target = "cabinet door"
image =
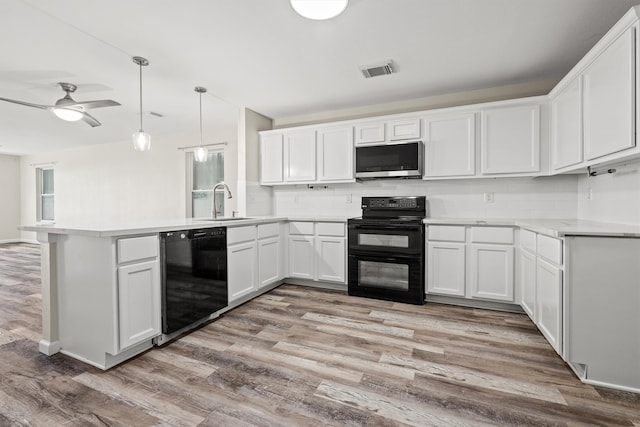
{"points": [[335, 154], [301, 257], [450, 146], [403, 129], [138, 302], [300, 156], [566, 126], [510, 140], [609, 95], [271, 158], [331, 259], [446, 268], [491, 272], [241, 261], [527, 279], [268, 261], [367, 133], [549, 302]]}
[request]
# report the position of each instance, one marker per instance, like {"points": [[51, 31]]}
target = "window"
{"points": [[201, 178], [45, 194]]}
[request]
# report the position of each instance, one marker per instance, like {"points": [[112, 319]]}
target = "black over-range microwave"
{"points": [[403, 160]]}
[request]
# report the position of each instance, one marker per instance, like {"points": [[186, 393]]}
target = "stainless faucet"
{"points": [[214, 212]]}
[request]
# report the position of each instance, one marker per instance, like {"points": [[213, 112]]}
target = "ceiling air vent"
{"points": [[379, 69]]}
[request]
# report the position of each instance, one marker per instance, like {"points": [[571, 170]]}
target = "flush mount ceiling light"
{"points": [[141, 139], [319, 10], [200, 154]]}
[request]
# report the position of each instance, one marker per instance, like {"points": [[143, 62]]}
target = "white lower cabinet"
{"points": [[317, 251], [269, 261], [254, 258], [138, 302], [549, 302], [330, 260], [527, 279], [471, 262], [446, 268], [241, 259], [541, 284], [491, 272]]}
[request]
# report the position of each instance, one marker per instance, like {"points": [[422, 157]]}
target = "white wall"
{"points": [[614, 197], [548, 197], [257, 200], [9, 198], [109, 183]]}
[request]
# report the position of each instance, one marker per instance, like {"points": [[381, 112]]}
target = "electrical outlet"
{"points": [[349, 198], [590, 194], [488, 197]]}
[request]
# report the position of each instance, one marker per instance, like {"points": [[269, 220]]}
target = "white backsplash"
{"points": [[611, 197], [547, 197]]}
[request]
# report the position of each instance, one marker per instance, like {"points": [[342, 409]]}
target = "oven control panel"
{"points": [[392, 202]]}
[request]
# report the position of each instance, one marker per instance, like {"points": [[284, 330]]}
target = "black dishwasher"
{"points": [[194, 276]]}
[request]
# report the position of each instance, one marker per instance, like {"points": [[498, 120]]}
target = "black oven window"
{"points": [[384, 240], [385, 275]]}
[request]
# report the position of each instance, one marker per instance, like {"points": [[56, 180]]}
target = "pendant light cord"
{"points": [[201, 119], [140, 96]]}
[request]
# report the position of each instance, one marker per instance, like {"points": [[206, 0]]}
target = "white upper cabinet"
{"points": [[335, 154], [510, 140], [566, 126], [450, 145], [300, 156], [370, 132], [609, 99], [271, 158], [403, 129]]}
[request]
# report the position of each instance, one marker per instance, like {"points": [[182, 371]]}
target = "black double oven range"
{"points": [[387, 248]]}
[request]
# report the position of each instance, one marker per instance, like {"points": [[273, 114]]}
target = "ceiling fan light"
{"points": [[141, 141], [200, 154], [68, 114], [319, 10]]}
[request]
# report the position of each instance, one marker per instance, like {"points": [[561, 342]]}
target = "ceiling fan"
{"points": [[68, 109]]}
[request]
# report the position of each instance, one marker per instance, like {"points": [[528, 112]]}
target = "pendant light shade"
{"points": [[200, 154], [319, 10], [141, 139]]}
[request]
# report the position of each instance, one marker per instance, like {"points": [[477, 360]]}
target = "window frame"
{"points": [[40, 195], [189, 180]]}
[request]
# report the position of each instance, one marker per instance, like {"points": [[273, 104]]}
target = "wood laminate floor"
{"points": [[300, 356]]}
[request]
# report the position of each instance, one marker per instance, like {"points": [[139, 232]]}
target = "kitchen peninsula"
{"points": [[577, 280]]}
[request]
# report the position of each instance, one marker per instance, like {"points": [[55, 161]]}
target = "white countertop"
{"points": [[551, 227], [142, 227]]}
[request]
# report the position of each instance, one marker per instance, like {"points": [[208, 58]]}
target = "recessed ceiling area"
{"points": [[264, 56]]}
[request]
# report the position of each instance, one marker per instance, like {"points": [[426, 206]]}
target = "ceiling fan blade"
{"points": [[28, 104], [97, 104], [90, 120]]}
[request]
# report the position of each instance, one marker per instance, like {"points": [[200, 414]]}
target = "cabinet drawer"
{"points": [[301, 227], [502, 235], [241, 234], [550, 249], [330, 229], [136, 248], [268, 230], [528, 240], [450, 233]]}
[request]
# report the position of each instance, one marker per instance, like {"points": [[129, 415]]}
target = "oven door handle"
{"points": [[384, 227]]}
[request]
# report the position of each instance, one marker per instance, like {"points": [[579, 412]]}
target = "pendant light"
{"points": [[200, 154], [319, 10], [141, 139]]}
